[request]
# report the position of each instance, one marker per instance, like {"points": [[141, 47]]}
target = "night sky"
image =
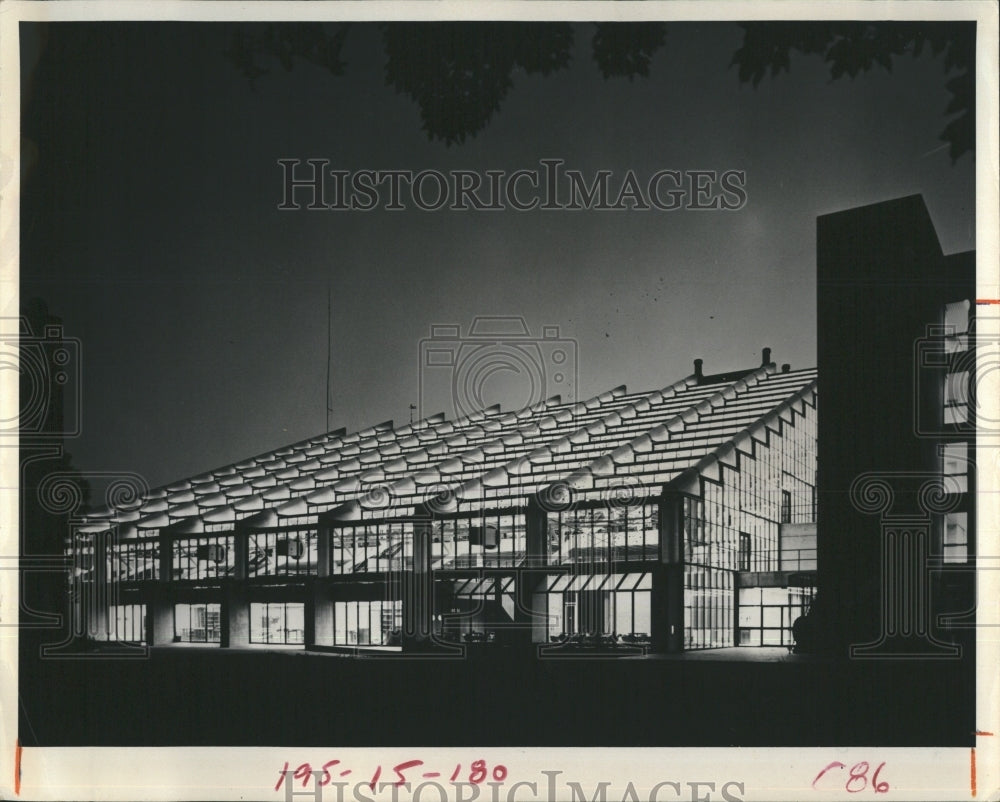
{"points": [[150, 226]]}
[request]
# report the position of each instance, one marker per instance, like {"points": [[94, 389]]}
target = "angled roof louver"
{"points": [[682, 429]]}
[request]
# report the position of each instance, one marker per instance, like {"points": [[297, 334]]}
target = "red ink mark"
{"points": [[987, 301], [972, 771], [401, 767], [281, 776], [478, 773], [304, 773], [835, 765], [17, 767], [980, 732], [857, 779], [858, 773], [880, 787], [326, 773]]}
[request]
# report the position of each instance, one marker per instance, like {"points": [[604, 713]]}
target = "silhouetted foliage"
{"points": [[852, 48], [320, 44], [459, 72], [44, 532], [625, 49]]}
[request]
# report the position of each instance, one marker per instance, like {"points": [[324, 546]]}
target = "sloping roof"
{"points": [[636, 441]]}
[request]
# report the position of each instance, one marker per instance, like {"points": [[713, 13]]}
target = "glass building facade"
{"points": [[628, 522]]}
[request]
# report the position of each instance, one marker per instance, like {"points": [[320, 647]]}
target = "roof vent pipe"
{"points": [[697, 369], [766, 357], [785, 368]]}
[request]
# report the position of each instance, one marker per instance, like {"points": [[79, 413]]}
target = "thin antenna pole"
{"points": [[328, 356]]}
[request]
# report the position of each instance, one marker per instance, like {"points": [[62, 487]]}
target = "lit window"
{"points": [[611, 606], [204, 557], [955, 466], [956, 322], [135, 561], [368, 623], [956, 397], [197, 623], [956, 542], [276, 553], [127, 623], [745, 550], [277, 622]]}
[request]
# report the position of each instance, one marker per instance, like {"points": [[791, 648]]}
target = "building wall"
{"points": [[734, 526], [882, 281]]}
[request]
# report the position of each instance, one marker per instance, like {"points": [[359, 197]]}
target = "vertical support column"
{"points": [[417, 587], [659, 604], [668, 582], [536, 606], [159, 604], [667, 608], [319, 605], [241, 540], [235, 623], [97, 595], [536, 535], [319, 614], [309, 612], [165, 567], [671, 527], [529, 609], [159, 616], [532, 608], [323, 536]]}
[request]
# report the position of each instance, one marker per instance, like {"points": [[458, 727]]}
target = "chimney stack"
{"points": [[785, 368], [697, 369], [766, 357]]}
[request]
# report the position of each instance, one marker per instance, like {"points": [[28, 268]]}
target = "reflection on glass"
{"points": [[368, 623], [956, 539], [708, 608], [286, 553], [956, 321], [955, 464], [372, 548], [127, 623], [134, 561], [766, 615], [609, 609], [277, 623], [483, 541], [197, 623], [203, 557], [596, 536], [956, 397]]}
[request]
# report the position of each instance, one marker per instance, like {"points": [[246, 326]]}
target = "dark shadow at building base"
{"points": [[231, 698]]}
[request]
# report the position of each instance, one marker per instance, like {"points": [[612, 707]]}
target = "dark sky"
{"points": [[150, 226]]}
